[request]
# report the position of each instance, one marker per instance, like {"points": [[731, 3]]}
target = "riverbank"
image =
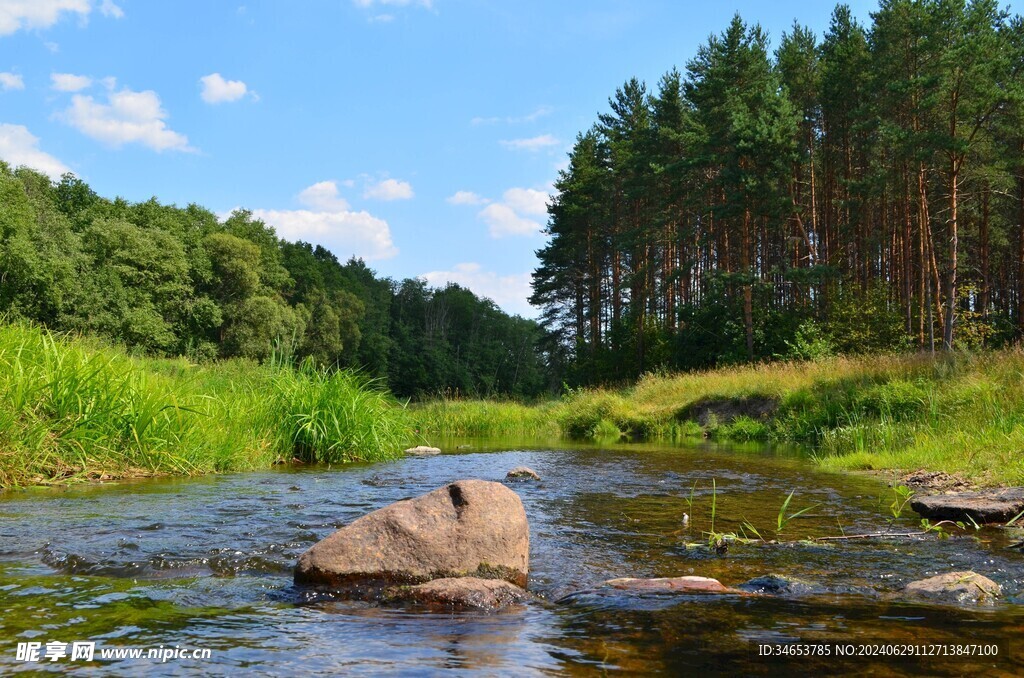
{"points": [[76, 409], [959, 413]]}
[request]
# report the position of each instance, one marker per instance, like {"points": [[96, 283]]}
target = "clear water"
{"points": [[206, 563]]}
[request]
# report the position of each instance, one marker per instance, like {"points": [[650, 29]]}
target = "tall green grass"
{"points": [[484, 418], [960, 413], [72, 408]]}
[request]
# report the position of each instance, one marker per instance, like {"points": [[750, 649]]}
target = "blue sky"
{"points": [[422, 135]]}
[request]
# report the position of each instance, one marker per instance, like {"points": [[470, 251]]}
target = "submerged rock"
{"points": [[780, 585], [470, 528], [522, 473], [423, 451], [669, 584], [992, 506], [626, 589], [462, 593], [956, 587]]}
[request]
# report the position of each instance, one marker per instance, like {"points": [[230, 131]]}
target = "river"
{"points": [[206, 563]]}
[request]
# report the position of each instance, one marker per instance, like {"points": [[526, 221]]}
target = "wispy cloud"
{"points": [[389, 189], [16, 15], [9, 81], [108, 8], [69, 82], [466, 198], [531, 144], [513, 120]]}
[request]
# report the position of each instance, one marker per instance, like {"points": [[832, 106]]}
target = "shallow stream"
{"points": [[206, 563]]}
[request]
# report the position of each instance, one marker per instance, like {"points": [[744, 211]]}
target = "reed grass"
{"points": [[74, 408]]}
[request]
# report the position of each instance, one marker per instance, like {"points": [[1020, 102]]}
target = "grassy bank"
{"points": [[958, 413], [72, 408]]}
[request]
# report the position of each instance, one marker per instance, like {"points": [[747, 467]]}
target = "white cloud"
{"points": [[323, 196], [68, 82], [527, 200], [389, 189], [466, 198], [502, 220], [127, 117], [426, 4], [18, 146], [217, 90], [29, 14], [538, 113], [11, 81], [508, 291], [343, 232], [511, 216], [108, 8], [531, 144]]}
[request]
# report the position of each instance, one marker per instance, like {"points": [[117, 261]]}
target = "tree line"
{"points": [[172, 281], [855, 192]]}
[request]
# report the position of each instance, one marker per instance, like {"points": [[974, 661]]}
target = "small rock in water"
{"points": [[670, 584], [422, 451], [522, 473], [993, 506], [963, 588], [462, 593], [780, 585]]}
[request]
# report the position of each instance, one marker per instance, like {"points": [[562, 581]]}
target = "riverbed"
{"points": [[207, 562]]}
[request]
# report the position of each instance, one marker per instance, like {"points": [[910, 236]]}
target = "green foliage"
{"points": [[810, 342], [336, 417], [169, 281], [74, 409]]}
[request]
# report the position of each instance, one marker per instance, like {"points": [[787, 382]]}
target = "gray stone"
{"points": [[422, 451], [522, 473], [992, 506], [956, 588], [468, 528], [780, 585], [462, 593]]}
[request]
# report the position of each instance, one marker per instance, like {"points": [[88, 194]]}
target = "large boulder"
{"points": [[956, 588], [992, 506], [470, 528], [462, 593]]}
